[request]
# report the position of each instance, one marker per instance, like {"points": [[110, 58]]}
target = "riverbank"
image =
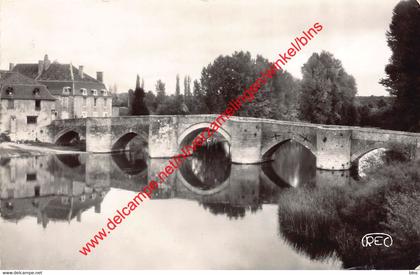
{"points": [[12, 150]]}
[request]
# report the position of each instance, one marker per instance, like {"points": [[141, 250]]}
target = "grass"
{"points": [[322, 221]]}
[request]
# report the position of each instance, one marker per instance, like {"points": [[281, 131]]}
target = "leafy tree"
{"points": [[327, 91], [197, 104], [138, 107], [403, 79], [187, 86], [160, 91], [177, 88], [150, 101], [228, 77]]}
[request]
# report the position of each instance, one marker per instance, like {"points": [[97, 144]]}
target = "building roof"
{"points": [[14, 85], [57, 76]]}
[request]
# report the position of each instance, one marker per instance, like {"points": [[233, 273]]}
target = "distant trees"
{"points": [[177, 87], [138, 107], [403, 71], [327, 91], [228, 76]]}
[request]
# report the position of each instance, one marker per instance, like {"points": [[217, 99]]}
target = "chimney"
{"points": [[11, 66], [40, 67], [81, 71], [100, 76], [47, 62]]}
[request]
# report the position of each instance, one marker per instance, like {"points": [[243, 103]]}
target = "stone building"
{"points": [[79, 95], [25, 106]]}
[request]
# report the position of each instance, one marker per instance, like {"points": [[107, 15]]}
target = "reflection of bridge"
{"points": [[62, 187], [252, 140]]}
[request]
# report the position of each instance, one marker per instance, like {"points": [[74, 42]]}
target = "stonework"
{"points": [[25, 107], [252, 140], [78, 94]]}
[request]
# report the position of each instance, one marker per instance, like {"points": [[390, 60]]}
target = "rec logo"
{"points": [[377, 239]]}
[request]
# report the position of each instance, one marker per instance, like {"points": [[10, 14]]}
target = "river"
{"points": [[210, 214]]}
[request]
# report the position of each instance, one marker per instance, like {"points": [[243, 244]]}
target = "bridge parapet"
{"points": [[252, 140]]}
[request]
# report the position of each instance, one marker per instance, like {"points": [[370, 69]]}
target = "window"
{"points": [[105, 114], [95, 101], [31, 119], [9, 90], [84, 91], [31, 177], [104, 92], [94, 92], [84, 114], [105, 100], [66, 90], [36, 91], [37, 105], [84, 102], [10, 103]]}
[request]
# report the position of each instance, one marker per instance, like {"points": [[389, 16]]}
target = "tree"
{"points": [[150, 101], [187, 85], [402, 72], [197, 104], [177, 88], [138, 107], [160, 91], [228, 77], [327, 91]]}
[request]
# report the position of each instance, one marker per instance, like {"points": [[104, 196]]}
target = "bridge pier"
{"points": [[333, 148], [163, 138], [98, 135], [246, 142]]}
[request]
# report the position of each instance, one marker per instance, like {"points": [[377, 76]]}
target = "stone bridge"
{"points": [[252, 140]]}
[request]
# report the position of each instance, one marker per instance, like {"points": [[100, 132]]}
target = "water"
{"points": [[210, 214]]}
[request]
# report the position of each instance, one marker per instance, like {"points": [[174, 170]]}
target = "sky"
{"points": [[159, 39]]}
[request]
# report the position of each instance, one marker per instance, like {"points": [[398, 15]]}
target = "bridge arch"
{"points": [[120, 143], [125, 165], [199, 191], [356, 156], [268, 150], [66, 136], [196, 128]]}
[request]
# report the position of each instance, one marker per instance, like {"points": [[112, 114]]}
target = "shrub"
{"points": [[4, 138]]}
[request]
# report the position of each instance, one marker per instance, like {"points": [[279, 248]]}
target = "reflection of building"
{"points": [[79, 95], [26, 105], [40, 187]]}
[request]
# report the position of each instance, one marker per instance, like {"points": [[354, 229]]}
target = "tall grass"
{"points": [[322, 221]]}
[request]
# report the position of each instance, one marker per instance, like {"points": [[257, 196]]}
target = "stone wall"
{"points": [[14, 121]]}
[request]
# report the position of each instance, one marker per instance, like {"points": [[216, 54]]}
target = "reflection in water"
{"points": [[247, 206], [132, 163], [208, 167], [293, 165]]}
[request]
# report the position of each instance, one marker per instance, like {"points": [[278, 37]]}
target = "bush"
{"points": [[4, 138], [325, 220]]}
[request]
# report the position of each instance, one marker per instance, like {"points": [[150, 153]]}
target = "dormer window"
{"points": [[104, 92], [10, 91], [36, 91], [66, 90], [83, 91], [94, 92]]}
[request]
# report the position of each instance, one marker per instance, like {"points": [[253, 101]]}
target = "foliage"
{"points": [[138, 107], [327, 220], [327, 91], [228, 76], [403, 79], [4, 137]]}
